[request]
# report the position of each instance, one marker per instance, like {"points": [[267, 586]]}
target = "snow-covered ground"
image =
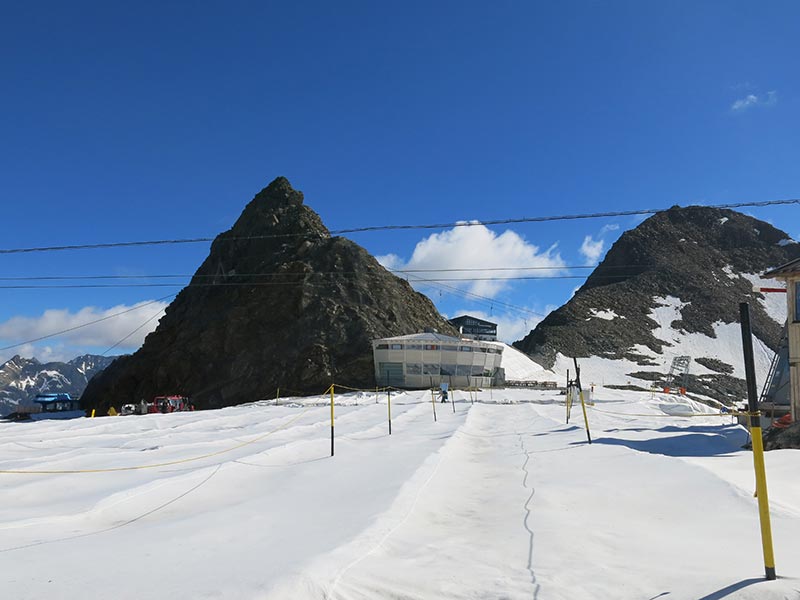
{"points": [[499, 499], [725, 346]]}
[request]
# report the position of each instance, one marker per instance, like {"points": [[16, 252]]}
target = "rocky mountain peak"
{"points": [[677, 277], [278, 303]]}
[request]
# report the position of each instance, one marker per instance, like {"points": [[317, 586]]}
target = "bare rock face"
{"points": [[278, 303], [698, 255]]}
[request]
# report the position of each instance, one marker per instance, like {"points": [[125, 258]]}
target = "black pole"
{"points": [[749, 362]]}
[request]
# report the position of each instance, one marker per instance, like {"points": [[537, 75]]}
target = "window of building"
{"points": [[413, 346], [396, 347], [382, 347], [463, 370], [431, 347], [430, 369], [448, 370], [450, 348], [465, 348], [413, 369], [797, 301]]}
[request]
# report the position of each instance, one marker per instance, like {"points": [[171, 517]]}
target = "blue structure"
{"points": [[48, 406]]}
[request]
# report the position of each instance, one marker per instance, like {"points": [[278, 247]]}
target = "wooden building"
{"points": [[790, 273]]}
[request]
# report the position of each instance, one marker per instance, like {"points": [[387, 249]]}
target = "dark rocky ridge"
{"points": [[295, 310], [681, 252]]}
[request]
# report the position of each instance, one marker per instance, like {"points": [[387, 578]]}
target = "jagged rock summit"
{"points": [[672, 286], [278, 303]]}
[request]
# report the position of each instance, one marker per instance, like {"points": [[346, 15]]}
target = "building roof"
{"points": [[789, 269], [425, 337]]}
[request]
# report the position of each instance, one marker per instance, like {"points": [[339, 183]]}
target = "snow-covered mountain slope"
{"points": [[494, 500], [520, 367], [22, 378], [672, 287]]}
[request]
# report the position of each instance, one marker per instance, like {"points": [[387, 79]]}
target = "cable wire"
{"points": [[471, 223]]}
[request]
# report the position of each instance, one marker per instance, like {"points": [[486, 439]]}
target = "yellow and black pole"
{"points": [[758, 442], [580, 393], [433, 404], [567, 397], [331, 419]]}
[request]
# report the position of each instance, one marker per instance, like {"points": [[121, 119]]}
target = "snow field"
{"points": [[500, 500]]}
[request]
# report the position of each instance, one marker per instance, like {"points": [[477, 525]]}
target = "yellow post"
{"points": [[758, 442], [93, 413], [761, 492], [433, 404], [331, 419], [277, 396], [585, 418]]}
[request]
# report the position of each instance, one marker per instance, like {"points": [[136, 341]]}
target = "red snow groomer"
{"points": [[168, 404]]}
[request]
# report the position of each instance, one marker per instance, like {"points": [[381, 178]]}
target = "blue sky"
{"points": [[133, 121]]}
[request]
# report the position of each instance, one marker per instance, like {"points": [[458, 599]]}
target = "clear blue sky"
{"points": [[148, 120]]}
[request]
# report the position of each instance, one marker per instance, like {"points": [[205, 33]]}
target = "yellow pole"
{"points": [[389, 405], [585, 419], [331, 419], [433, 404], [761, 492], [93, 413], [758, 442]]}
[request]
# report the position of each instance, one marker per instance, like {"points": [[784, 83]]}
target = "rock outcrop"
{"points": [[278, 303]]}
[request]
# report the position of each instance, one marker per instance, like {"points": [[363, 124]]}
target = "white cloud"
{"points": [[475, 247], [592, 249], [607, 228], [71, 343], [751, 100], [390, 261]]}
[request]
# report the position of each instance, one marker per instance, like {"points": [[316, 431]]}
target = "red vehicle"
{"points": [[168, 404]]}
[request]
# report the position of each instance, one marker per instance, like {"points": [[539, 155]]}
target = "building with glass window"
{"points": [[475, 328], [425, 360], [790, 273]]}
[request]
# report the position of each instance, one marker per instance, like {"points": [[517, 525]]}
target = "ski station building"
{"points": [[424, 360], [474, 328], [790, 273]]}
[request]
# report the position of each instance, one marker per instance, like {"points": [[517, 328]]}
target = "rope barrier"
{"points": [[728, 414], [156, 465]]}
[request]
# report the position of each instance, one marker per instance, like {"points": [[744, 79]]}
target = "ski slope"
{"points": [[499, 499]]}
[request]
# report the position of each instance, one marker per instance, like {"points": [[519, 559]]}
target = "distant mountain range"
{"points": [[672, 287], [22, 378]]}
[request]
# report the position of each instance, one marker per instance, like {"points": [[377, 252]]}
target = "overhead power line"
{"points": [[464, 223], [285, 273]]}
